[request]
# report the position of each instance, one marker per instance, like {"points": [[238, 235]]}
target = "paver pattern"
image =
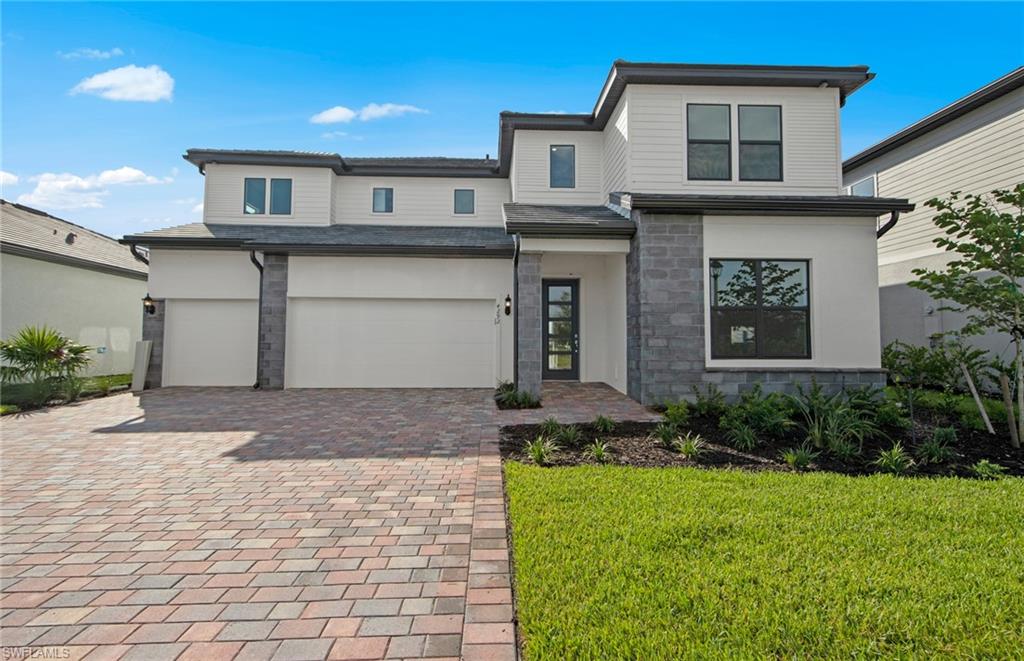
{"points": [[209, 523]]}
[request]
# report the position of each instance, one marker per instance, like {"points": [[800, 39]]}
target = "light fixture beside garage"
{"points": [[508, 305], [148, 304]]}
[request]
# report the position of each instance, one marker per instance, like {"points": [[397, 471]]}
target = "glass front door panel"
{"points": [[561, 330]]}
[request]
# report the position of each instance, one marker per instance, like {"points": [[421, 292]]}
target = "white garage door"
{"points": [[390, 343], [210, 343]]}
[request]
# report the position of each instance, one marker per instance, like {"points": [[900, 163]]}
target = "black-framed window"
{"points": [[280, 196], [255, 197], [383, 200], [760, 143], [760, 308], [465, 201], [562, 166], [708, 142]]}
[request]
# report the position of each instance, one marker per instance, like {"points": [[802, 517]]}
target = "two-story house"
{"points": [[974, 145], [691, 229]]}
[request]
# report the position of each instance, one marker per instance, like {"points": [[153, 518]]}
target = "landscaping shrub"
{"points": [[937, 450], [742, 437], [709, 403], [598, 451], [799, 458], [690, 445], [666, 434], [830, 422], [938, 366], [987, 470], [603, 424], [677, 414], [895, 460], [550, 427], [540, 450], [42, 360], [766, 415], [569, 436], [509, 397]]}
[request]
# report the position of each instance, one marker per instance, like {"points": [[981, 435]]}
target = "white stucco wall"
{"points": [[602, 280], [90, 307], [843, 281]]}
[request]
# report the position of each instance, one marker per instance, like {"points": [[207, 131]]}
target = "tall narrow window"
{"points": [[760, 143], [465, 202], [255, 196], [281, 196], [707, 142], [760, 309], [563, 166], [383, 200]]}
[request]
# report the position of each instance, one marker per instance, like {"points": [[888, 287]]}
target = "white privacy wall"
{"points": [[420, 200], [225, 194], [843, 281]]}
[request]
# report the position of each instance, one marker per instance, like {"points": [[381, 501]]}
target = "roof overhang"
{"points": [[203, 157], [542, 230], [973, 101], [732, 205]]}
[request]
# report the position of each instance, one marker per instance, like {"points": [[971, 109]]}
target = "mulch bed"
{"points": [[631, 445]]}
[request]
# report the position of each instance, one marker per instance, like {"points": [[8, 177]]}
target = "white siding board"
{"points": [[531, 165], [419, 201], [225, 186], [616, 148]]}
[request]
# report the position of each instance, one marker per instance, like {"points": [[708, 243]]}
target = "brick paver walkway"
{"points": [[225, 523]]}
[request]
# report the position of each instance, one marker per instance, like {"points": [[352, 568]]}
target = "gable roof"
{"points": [[955, 110], [33, 233]]}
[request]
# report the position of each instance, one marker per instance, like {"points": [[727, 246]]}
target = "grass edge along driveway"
{"points": [[618, 562]]}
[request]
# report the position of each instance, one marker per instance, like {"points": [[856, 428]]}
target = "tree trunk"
{"points": [[1004, 386], [1020, 387]]}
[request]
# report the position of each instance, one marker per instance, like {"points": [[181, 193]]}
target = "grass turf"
{"points": [[617, 562], [16, 393]]}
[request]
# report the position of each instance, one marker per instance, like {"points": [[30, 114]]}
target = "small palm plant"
{"points": [[540, 450], [895, 460], [666, 434], [604, 424], [550, 427], [42, 358], [570, 436], [599, 451], [799, 458], [690, 445]]}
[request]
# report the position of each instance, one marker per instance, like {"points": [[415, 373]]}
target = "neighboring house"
{"points": [[77, 281], [691, 229], [975, 145]]}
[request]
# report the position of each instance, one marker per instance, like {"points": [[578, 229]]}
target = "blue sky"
{"points": [[253, 75]]}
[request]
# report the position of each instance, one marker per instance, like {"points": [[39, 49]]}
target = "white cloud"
{"points": [[70, 191], [330, 135], [8, 178], [369, 112], [90, 54], [130, 83], [198, 208]]}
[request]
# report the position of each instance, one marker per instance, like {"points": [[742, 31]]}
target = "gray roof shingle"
{"points": [[552, 220], [337, 239], [34, 233]]}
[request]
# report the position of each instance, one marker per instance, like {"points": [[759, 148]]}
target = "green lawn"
{"points": [[616, 562], [14, 393]]}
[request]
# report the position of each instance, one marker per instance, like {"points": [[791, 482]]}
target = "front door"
{"points": [[561, 329]]}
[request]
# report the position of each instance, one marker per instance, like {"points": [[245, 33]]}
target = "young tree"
{"points": [[985, 279]]}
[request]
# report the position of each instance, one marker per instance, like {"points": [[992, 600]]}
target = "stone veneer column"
{"points": [[528, 323], [665, 307], [153, 330], [273, 321]]}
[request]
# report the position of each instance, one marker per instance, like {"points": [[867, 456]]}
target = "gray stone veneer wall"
{"points": [[153, 330], [273, 321], [665, 354], [528, 323]]}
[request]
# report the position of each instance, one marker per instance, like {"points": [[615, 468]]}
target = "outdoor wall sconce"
{"points": [[508, 305], [149, 305]]}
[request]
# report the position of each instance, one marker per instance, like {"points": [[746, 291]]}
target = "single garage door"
{"points": [[390, 343], [210, 343]]}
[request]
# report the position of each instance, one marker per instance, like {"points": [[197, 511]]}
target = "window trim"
{"points": [[874, 185], [374, 189], [270, 196], [727, 142], [550, 152], [759, 310], [266, 193], [740, 141], [459, 214]]}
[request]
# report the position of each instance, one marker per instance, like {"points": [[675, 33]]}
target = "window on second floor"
{"points": [[255, 202], [760, 308], [465, 201], [563, 166], [255, 196], [708, 136], [383, 200], [760, 143], [863, 188]]}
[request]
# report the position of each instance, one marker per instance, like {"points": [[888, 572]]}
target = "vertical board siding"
{"points": [[657, 139], [311, 194], [531, 164], [420, 201]]}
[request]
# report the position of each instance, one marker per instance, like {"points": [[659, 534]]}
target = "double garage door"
{"points": [[337, 343]]}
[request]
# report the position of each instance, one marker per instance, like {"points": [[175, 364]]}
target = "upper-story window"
{"points": [[760, 308], [708, 135], [465, 201], [760, 143], [863, 188], [255, 196], [255, 202], [563, 166], [383, 200]]}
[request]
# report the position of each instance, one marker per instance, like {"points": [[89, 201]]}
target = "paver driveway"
{"points": [[220, 523]]}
